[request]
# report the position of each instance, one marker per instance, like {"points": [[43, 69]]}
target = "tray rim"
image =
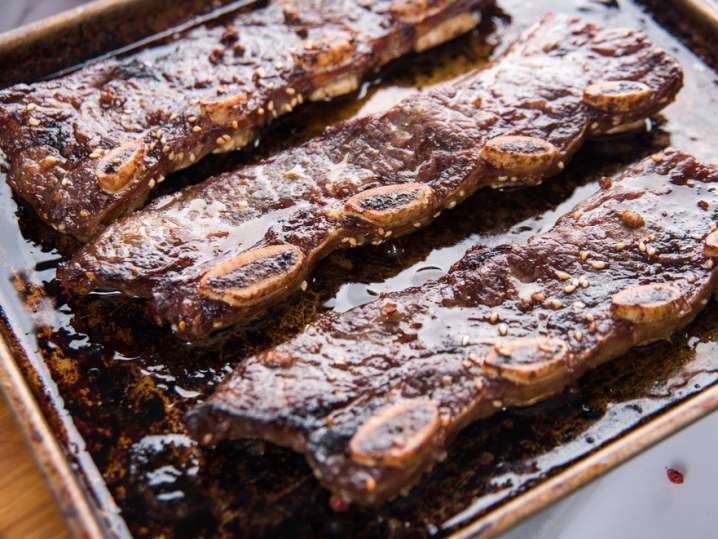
{"points": [[75, 501]]}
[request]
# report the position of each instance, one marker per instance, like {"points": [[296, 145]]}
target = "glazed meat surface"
{"points": [[373, 396], [91, 146], [223, 251]]}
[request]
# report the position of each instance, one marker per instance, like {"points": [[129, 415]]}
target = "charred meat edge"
{"points": [[371, 179], [374, 396]]}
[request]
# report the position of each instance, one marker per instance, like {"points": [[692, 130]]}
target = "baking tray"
{"points": [[100, 392]]}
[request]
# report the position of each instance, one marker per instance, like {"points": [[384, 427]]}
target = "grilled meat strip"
{"points": [[223, 251], [374, 396], [89, 147]]}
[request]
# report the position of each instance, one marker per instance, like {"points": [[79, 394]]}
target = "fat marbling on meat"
{"points": [[222, 252], [90, 146], [374, 396]]}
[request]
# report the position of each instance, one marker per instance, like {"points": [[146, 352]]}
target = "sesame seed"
{"points": [[479, 384], [503, 178], [696, 236], [583, 282], [503, 330], [152, 183], [599, 264], [166, 149], [642, 246], [657, 158], [569, 289], [303, 286], [578, 335], [620, 246], [235, 124], [452, 204], [270, 105], [220, 140], [196, 129], [417, 224], [561, 165], [95, 154], [173, 117], [34, 122], [562, 275], [291, 91], [260, 111], [446, 380], [576, 215], [494, 317], [84, 213], [497, 404], [192, 119], [538, 296], [31, 107], [555, 304], [589, 317], [651, 251], [583, 255], [579, 305], [370, 484]]}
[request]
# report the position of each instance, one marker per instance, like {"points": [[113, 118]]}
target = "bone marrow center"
{"points": [[617, 96], [648, 303], [524, 361], [391, 205], [520, 155], [395, 435], [253, 275]]}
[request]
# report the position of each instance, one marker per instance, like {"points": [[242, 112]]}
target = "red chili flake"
{"points": [[337, 504], [674, 476]]}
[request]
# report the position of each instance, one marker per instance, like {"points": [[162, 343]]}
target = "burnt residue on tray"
{"points": [[115, 387]]}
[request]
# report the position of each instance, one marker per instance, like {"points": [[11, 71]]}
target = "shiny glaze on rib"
{"points": [[507, 326], [91, 146], [115, 388], [527, 109]]}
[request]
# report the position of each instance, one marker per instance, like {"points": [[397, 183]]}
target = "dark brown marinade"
{"points": [[372, 178], [374, 396], [91, 146]]}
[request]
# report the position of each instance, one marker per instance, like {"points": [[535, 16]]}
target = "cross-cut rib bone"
{"points": [[357, 392], [369, 179], [90, 146]]}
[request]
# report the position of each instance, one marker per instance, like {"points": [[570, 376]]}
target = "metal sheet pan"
{"points": [[99, 392]]}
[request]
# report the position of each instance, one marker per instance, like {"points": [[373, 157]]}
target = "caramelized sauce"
{"points": [[115, 387]]}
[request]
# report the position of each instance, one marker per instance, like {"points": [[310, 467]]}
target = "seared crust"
{"points": [[507, 326], [110, 132], [514, 123]]}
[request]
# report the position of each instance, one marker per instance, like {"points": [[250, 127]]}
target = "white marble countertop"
{"points": [[637, 501]]}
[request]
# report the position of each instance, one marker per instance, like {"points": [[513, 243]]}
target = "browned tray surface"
{"points": [[113, 388]]}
